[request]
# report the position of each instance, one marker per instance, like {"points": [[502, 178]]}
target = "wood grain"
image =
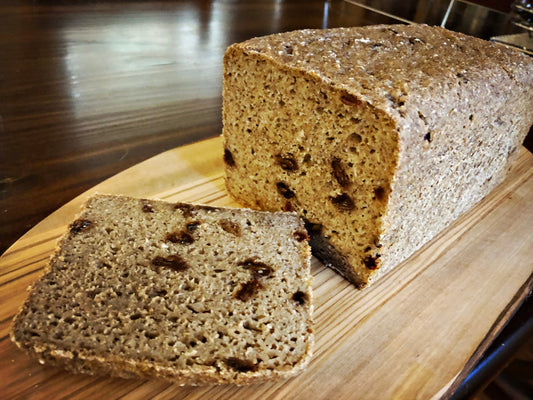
{"points": [[408, 336]]}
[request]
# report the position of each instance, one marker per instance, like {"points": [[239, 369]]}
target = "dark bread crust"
{"points": [[329, 256]]}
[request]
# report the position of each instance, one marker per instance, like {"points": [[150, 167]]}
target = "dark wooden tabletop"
{"points": [[90, 88]]}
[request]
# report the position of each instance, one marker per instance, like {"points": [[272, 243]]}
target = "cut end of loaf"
{"points": [[295, 143], [192, 294]]}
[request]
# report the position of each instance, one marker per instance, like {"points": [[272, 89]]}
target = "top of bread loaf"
{"points": [[390, 66]]}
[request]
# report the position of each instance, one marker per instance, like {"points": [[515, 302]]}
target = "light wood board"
{"points": [[408, 336]]}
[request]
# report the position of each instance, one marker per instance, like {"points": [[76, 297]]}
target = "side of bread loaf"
{"points": [[378, 136], [192, 294]]}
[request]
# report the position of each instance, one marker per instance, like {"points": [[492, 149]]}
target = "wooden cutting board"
{"points": [[408, 336]]}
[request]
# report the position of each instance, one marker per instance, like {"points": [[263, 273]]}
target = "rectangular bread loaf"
{"points": [[378, 136], [192, 294]]}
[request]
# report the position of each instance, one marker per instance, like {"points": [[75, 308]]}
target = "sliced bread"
{"points": [[192, 294]]}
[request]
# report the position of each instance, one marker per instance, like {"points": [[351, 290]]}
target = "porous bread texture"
{"points": [[378, 136], [192, 294]]}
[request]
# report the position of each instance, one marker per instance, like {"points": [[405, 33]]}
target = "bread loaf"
{"points": [[378, 136], [188, 293]]}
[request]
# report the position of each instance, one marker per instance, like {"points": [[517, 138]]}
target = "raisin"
{"points": [[343, 202], [80, 225], [350, 99], [379, 192], [287, 162], [231, 227], [180, 237], [372, 262], [174, 262], [300, 297], [300, 236], [240, 365], [147, 208], [228, 158], [288, 207], [284, 190], [428, 137], [259, 269], [339, 173], [248, 290]]}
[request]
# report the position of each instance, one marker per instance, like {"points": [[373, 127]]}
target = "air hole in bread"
{"points": [[284, 190], [192, 226], [240, 365], [248, 289], [372, 262], [174, 262], [180, 238], [80, 225], [287, 162], [228, 158], [300, 297], [151, 335], [300, 236], [350, 100], [231, 227], [148, 208]]}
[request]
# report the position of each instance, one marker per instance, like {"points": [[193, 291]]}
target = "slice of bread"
{"points": [[192, 294], [379, 136]]}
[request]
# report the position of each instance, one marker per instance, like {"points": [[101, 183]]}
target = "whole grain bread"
{"points": [[378, 136], [192, 294]]}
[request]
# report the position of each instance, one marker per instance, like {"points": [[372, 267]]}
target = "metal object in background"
{"points": [[522, 12], [522, 17]]}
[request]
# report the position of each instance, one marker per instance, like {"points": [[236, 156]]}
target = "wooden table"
{"points": [[89, 89]]}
